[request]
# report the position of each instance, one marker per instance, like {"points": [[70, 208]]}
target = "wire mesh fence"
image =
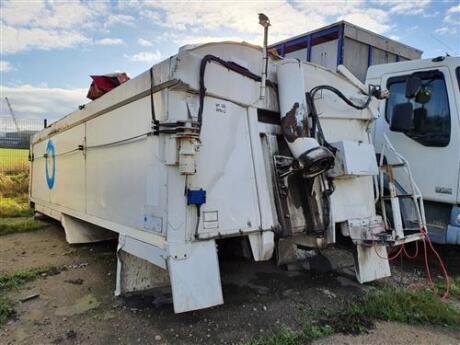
{"points": [[14, 142]]}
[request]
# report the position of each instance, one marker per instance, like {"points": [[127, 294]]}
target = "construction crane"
{"points": [[12, 114]]}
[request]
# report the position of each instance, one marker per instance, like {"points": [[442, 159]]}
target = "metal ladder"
{"points": [[398, 231]]}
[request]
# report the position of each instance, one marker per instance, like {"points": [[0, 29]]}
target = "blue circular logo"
{"points": [[50, 160]]}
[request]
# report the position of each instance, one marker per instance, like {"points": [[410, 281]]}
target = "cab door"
{"points": [[432, 145]]}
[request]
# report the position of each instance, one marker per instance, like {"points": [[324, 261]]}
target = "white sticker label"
{"points": [[152, 223], [210, 219], [221, 108]]}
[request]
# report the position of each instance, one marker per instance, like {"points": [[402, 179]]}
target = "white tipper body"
{"points": [[136, 189]]}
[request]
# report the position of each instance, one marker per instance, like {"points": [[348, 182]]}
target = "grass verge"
{"points": [[22, 224], [14, 207], [389, 304]]}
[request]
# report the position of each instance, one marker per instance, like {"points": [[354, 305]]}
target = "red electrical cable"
{"points": [[425, 239], [388, 256], [427, 266], [407, 254], [441, 263]]}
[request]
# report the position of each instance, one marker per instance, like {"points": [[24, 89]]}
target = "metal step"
{"points": [[396, 165], [386, 197]]}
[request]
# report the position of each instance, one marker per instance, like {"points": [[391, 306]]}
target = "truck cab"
{"points": [[424, 127]]}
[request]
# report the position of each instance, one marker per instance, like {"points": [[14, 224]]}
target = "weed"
{"points": [[416, 306], [285, 336], [17, 225], [14, 185], [6, 310], [16, 279], [389, 304], [10, 207], [454, 287]]}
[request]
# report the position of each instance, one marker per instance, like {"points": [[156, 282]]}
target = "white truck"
{"points": [[421, 119], [219, 141]]}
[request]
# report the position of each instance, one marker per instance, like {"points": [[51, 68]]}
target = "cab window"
{"points": [[431, 121]]}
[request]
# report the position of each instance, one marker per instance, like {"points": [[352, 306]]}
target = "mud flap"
{"points": [[79, 231], [262, 245], [195, 279], [370, 264]]}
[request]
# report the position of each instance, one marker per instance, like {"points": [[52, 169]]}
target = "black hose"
{"points": [[231, 66], [152, 105], [316, 124], [341, 96], [198, 216]]}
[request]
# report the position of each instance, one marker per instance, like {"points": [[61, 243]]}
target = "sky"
{"points": [[50, 48]]}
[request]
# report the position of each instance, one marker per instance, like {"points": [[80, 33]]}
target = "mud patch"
{"points": [[84, 304]]}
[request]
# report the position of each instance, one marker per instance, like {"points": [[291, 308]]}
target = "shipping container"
{"points": [[347, 44]]}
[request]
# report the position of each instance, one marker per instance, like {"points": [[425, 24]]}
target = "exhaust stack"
{"points": [[315, 159], [265, 22]]}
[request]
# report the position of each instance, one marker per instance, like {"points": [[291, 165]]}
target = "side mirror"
{"points": [[413, 86], [402, 119]]}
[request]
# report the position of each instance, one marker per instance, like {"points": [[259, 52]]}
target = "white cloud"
{"points": [[451, 22], [110, 41], [55, 15], [42, 102], [453, 15], [446, 30], [330, 8], [454, 9], [408, 7], [151, 15], [148, 57], [5, 66], [240, 17], [144, 42], [45, 25], [120, 19], [200, 20], [21, 13], [189, 39], [371, 19], [19, 39]]}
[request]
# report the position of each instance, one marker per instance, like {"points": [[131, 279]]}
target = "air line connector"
{"points": [[196, 197]]}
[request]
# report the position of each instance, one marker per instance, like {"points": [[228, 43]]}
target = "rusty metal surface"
{"points": [[290, 126]]}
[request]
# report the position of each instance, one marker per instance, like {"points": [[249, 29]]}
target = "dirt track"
{"points": [[77, 305]]}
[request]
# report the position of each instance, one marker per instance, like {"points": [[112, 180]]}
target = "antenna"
{"points": [[444, 44], [12, 114]]}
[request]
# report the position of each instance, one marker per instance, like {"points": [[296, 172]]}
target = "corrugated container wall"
{"points": [[347, 44]]}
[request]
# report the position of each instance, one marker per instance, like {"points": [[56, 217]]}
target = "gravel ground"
{"points": [[77, 306]]}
